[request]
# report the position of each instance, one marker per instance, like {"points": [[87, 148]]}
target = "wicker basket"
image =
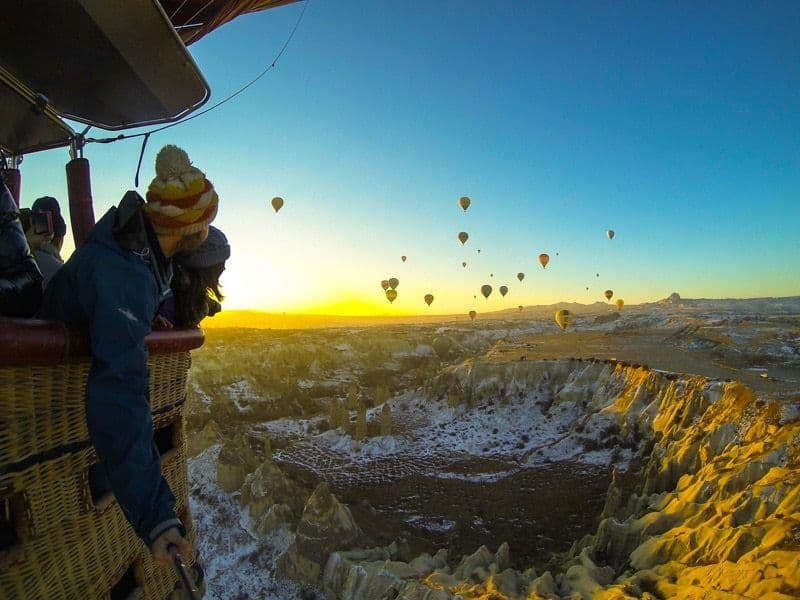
{"points": [[69, 544], [41, 407]]}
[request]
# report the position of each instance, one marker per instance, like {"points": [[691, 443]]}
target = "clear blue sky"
{"points": [[677, 125]]}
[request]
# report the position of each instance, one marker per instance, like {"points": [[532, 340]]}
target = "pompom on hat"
{"points": [[180, 200]]}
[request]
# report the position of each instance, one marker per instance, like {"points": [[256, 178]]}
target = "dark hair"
{"points": [[196, 291]]}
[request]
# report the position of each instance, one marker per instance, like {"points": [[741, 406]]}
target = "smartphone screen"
{"points": [[42, 222]]}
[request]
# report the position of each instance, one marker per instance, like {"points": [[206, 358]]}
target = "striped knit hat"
{"points": [[180, 200]]}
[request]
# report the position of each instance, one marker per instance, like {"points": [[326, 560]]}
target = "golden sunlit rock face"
{"points": [[714, 512]]}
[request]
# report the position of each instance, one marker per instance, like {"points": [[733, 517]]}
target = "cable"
{"points": [[218, 104]]}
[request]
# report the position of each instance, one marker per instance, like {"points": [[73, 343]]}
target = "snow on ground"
{"points": [[430, 436], [237, 566]]}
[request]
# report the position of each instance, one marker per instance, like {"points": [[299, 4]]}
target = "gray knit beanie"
{"points": [[215, 250]]}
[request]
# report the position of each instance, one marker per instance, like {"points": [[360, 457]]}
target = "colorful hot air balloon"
{"points": [[563, 318], [472, 315], [428, 299], [503, 290], [277, 203], [543, 260], [391, 295], [403, 258], [486, 290], [608, 294], [394, 282], [520, 276], [463, 236], [464, 264], [610, 234], [464, 202], [620, 303], [385, 284]]}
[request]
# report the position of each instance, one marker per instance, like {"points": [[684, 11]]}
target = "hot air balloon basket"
{"points": [[42, 406], [60, 538]]}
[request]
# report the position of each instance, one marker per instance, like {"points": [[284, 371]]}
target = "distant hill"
{"points": [[252, 319]]}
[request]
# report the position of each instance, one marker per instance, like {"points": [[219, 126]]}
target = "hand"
{"points": [[37, 240], [162, 556], [161, 322]]}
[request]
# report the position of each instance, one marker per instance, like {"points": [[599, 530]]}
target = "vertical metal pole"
{"points": [[79, 190]]}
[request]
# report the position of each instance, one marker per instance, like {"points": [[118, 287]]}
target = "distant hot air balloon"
{"points": [[403, 258], [277, 203], [620, 303], [610, 234], [391, 295], [479, 250], [556, 253], [597, 274], [486, 290], [608, 294], [394, 282], [385, 284], [464, 202], [475, 297], [428, 299], [463, 236], [491, 274], [503, 290], [472, 314], [464, 264], [520, 308], [520, 276], [543, 260], [563, 318]]}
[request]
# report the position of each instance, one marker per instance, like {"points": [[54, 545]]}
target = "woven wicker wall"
{"points": [[69, 545]]}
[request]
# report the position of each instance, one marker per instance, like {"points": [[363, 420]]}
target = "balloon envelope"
{"points": [[394, 282], [464, 202], [428, 299], [391, 295], [503, 290], [543, 260], [472, 314], [520, 276], [385, 284], [403, 258], [563, 318], [277, 203], [610, 234], [608, 294], [463, 236], [486, 290], [463, 264], [620, 303], [520, 308]]}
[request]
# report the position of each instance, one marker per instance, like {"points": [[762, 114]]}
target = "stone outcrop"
{"points": [[236, 460], [326, 526], [715, 511]]}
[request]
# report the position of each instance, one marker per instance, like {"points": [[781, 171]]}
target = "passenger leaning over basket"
{"points": [[113, 285]]}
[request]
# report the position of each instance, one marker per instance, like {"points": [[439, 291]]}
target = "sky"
{"points": [[674, 124]]}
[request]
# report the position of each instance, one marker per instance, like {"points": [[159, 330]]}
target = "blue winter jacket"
{"points": [[112, 285]]}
